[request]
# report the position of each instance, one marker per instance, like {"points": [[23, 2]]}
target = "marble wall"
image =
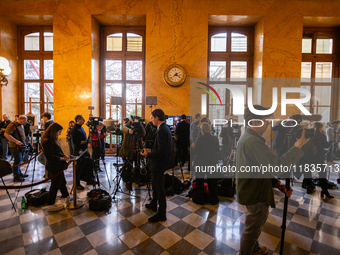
{"points": [[176, 32], [8, 49]]}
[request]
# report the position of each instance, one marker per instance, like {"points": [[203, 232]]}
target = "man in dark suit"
{"points": [[183, 140], [160, 159]]}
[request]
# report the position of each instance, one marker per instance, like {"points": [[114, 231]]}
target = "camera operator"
{"points": [[332, 139], [227, 142], [195, 130], [132, 142], [46, 117], [160, 159], [97, 138], [80, 142], [3, 139], [15, 133], [257, 193], [320, 143], [150, 131], [279, 143], [68, 136], [183, 140]]}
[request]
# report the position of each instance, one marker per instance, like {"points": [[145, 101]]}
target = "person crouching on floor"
{"points": [[55, 161]]}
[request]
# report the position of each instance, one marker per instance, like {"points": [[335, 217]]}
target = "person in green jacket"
{"points": [[255, 189]]}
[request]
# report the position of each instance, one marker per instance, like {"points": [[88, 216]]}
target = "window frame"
{"points": [[124, 56], [314, 58], [230, 56], [40, 55]]}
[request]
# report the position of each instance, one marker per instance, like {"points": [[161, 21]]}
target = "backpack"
{"points": [[37, 197], [100, 200], [226, 188], [178, 185]]}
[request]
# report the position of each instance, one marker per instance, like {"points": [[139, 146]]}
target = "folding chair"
{"points": [[6, 169]]}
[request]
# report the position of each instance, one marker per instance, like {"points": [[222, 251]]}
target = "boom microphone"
{"points": [[299, 117]]}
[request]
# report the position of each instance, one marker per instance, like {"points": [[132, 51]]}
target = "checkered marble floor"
{"points": [[313, 224]]}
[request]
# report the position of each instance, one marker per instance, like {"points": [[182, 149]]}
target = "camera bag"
{"points": [[100, 200], [37, 197]]}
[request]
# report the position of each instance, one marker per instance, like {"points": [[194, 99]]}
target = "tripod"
{"points": [[5, 170], [96, 159], [34, 154]]}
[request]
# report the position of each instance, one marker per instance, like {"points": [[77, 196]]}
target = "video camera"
{"points": [[93, 122], [297, 126], [136, 125]]}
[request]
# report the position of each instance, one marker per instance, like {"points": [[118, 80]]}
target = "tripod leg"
{"points": [[13, 206], [107, 175]]}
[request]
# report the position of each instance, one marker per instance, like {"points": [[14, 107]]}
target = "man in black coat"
{"points": [[79, 140], [183, 140], [160, 159]]}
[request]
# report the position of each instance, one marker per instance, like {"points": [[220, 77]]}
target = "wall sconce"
{"points": [[4, 71]]}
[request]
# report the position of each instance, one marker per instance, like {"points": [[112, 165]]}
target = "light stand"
{"points": [[151, 100]]}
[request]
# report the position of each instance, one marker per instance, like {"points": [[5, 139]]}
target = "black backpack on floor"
{"points": [[100, 200], [37, 197]]}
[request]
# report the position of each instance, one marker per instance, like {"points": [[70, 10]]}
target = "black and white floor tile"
{"points": [[313, 224]]}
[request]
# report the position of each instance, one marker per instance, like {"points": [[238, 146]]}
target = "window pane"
{"points": [[323, 72], [303, 96], [114, 42], [32, 42], [217, 69], [134, 42], [221, 92], [113, 90], [219, 42], [48, 41], [322, 95], [134, 70], [324, 44], [50, 109], [48, 69], [306, 71], [238, 42], [113, 69], [131, 110], [238, 70], [133, 92], [31, 69], [116, 113], [35, 110], [325, 113], [32, 90], [48, 92], [216, 112], [307, 43]]}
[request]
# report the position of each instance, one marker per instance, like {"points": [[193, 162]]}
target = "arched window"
{"points": [[122, 72], [36, 70], [229, 59]]}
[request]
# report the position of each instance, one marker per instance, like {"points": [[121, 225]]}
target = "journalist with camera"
{"points": [[15, 133], [133, 133], [160, 159], [85, 164], [332, 138], [255, 190], [3, 139]]}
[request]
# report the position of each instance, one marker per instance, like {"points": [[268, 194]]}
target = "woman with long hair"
{"points": [[55, 161], [320, 142]]}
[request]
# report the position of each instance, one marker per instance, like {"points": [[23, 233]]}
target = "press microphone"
{"points": [[299, 117]]}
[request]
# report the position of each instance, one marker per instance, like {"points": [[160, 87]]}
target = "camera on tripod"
{"points": [[93, 123], [136, 126], [296, 127]]}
